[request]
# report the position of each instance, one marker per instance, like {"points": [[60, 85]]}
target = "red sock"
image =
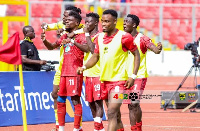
{"points": [[61, 113], [101, 126], [77, 115], [134, 128], [97, 125], [139, 126], [122, 129]]}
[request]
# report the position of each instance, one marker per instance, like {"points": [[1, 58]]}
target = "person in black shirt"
{"points": [[29, 53]]}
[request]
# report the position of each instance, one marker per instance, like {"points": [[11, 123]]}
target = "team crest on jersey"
{"points": [[67, 47], [105, 50]]}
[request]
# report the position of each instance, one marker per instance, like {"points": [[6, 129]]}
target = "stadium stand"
{"points": [[177, 21]]}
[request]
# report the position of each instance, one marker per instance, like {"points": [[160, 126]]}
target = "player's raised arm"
{"points": [[156, 49], [49, 45]]}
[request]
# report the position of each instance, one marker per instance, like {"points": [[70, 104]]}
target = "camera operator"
{"points": [[29, 53]]}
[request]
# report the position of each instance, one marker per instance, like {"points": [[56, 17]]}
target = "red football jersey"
{"points": [[73, 56]]}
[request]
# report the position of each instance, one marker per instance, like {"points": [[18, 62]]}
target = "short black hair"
{"points": [[75, 15], [73, 8], [135, 19], [93, 15], [25, 29], [111, 12]]}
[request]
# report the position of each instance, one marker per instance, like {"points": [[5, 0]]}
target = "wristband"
{"points": [[84, 67], [87, 34], [44, 39], [45, 27], [133, 76], [64, 28], [72, 41]]}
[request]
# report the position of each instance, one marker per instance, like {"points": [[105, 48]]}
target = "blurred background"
{"points": [[173, 22]]}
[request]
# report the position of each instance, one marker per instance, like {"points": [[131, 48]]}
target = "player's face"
{"points": [[65, 15], [30, 33], [90, 23], [128, 25], [108, 22], [71, 22]]}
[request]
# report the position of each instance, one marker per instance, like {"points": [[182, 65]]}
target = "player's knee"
{"points": [[112, 113], [75, 100], [61, 99], [133, 106], [54, 95]]}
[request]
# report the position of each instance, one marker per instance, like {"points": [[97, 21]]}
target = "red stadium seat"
{"points": [[186, 12], [198, 24], [149, 25], [181, 42], [56, 10], [197, 12], [36, 10], [156, 27], [194, 1], [38, 43], [54, 20], [167, 12], [175, 12], [185, 1], [166, 34]]}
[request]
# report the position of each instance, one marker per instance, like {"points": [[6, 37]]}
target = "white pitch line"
{"points": [[164, 117], [171, 126]]}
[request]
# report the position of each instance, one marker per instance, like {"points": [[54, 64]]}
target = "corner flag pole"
{"points": [[22, 97]]}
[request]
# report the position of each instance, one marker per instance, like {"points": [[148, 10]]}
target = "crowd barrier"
{"points": [[39, 103]]}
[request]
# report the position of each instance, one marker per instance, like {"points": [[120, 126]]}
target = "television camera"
{"points": [[194, 51], [49, 66], [193, 47]]}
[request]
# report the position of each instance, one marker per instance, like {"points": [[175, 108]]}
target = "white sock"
{"points": [[102, 129], [61, 128], [98, 119], [76, 129]]}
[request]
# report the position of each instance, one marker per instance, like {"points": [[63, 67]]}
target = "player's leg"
{"points": [[120, 126], [135, 116], [89, 95], [61, 103], [93, 108], [56, 83], [113, 109], [74, 88], [98, 124], [77, 112], [96, 97], [54, 95], [135, 112], [114, 104]]}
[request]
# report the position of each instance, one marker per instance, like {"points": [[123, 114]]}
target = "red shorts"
{"points": [[107, 87], [70, 85], [139, 85], [92, 89], [137, 88]]}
